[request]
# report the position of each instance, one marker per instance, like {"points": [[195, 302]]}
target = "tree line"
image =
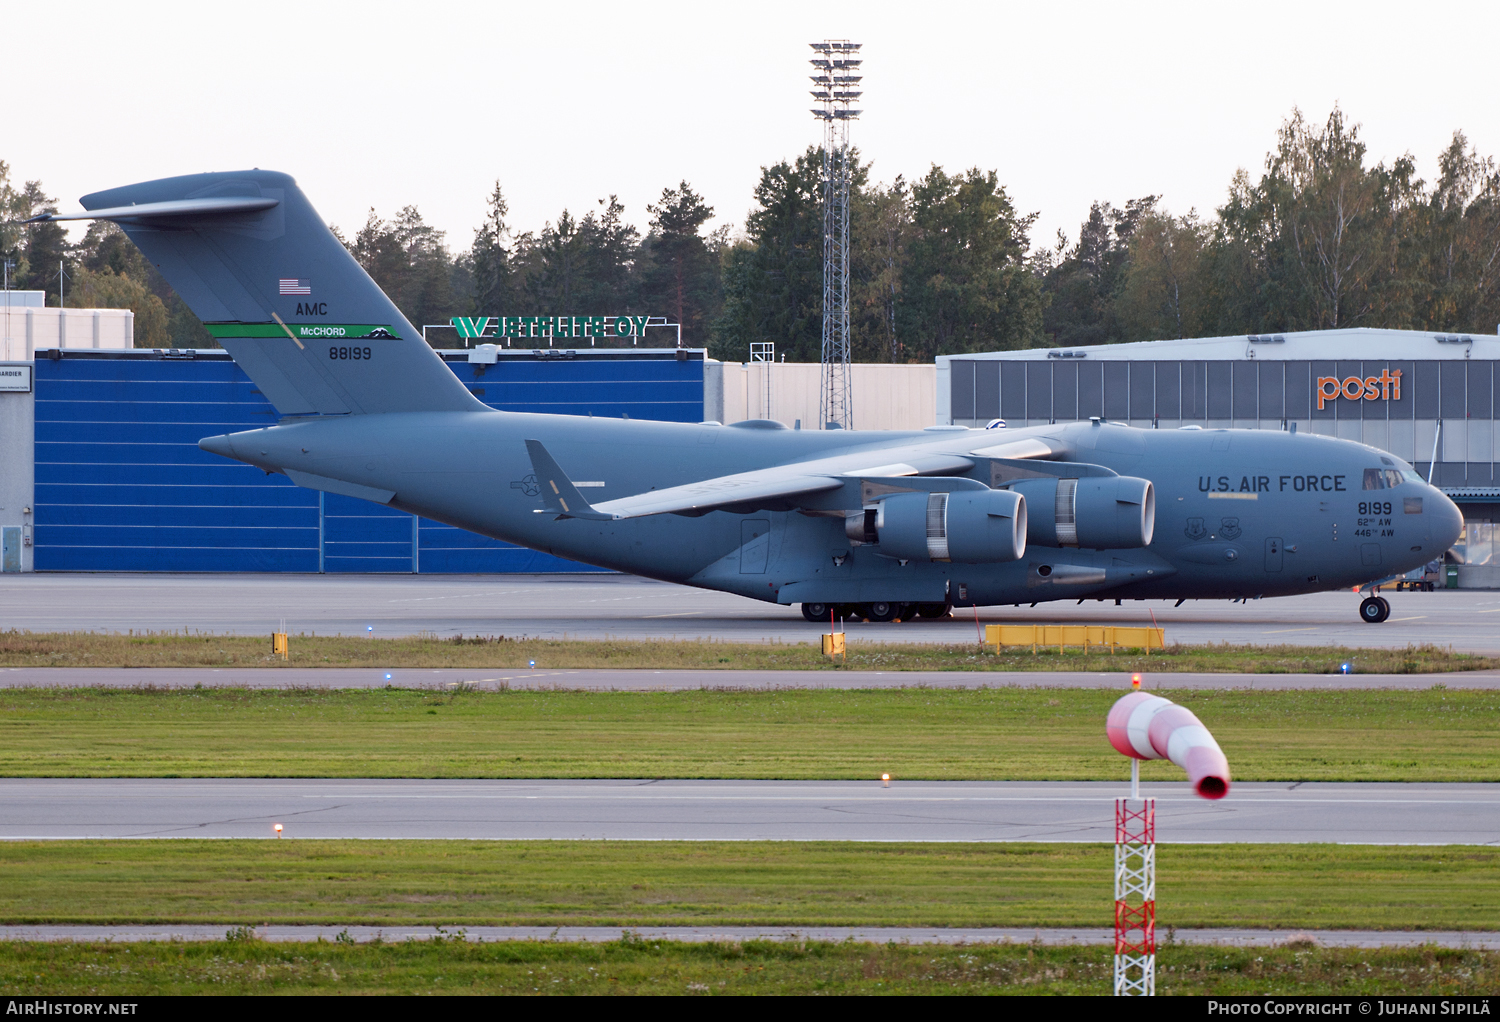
{"points": [[1321, 240], [942, 264]]}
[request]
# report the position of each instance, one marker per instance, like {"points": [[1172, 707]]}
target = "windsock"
{"points": [[1144, 726]]}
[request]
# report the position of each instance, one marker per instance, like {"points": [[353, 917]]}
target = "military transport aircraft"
{"points": [[879, 524]]}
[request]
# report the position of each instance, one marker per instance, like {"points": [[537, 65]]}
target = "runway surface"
{"points": [[622, 606], [652, 681], [698, 934], [53, 809]]}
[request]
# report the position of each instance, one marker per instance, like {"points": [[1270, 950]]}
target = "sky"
{"points": [[385, 105]]}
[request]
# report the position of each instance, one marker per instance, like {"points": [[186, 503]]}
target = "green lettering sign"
{"points": [[570, 327]]}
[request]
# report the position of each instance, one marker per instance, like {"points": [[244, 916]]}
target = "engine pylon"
{"points": [[1145, 726]]}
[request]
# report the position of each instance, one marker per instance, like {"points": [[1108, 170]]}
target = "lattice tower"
{"points": [[835, 62], [1135, 897]]}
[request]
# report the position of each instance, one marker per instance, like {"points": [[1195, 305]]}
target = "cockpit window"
{"points": [[1382, 478], [1410, 476]]}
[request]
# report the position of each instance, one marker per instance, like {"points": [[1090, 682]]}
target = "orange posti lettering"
{"points": [[1385, 387]]}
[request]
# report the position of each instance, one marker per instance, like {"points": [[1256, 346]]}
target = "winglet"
{"points": [[558, 491]]}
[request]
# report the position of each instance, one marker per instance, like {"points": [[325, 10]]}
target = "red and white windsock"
{"points": [[1144, 726]]}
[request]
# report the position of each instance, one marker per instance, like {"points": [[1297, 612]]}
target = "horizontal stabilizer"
{"points": [[177, 211], [558, 491]]}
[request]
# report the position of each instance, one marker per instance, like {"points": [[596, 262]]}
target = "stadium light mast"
{"points": [[834, 61]]}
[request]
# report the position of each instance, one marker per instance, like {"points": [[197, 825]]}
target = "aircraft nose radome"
{"points": [[1448, 522], [217, 445]]}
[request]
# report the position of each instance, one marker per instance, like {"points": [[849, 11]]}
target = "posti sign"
{"points": [[551, 326], [1385, 387]]}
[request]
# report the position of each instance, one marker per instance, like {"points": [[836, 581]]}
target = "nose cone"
{"points": [[1446, 521], [217, 445]]}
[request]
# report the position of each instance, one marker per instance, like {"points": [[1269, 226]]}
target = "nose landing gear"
{"points": [[1374, 609]]}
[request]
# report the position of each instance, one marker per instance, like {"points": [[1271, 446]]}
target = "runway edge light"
{"points": [[1145, 726]]}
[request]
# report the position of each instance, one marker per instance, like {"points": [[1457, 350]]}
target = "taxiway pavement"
{"points": [[596, 606], [492, 679], [620, 810]]}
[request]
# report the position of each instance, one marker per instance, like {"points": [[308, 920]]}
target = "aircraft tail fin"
{"points": [[558, 492], [248, 253]]}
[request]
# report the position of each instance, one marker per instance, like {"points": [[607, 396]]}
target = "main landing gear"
{"points": [[878, 611], [1374, 609]]}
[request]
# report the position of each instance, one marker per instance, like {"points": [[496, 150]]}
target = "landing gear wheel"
{"points": [[933, 610], [1373, 610], [850, 611], [906, 611], [880, 611], [815, 612]]}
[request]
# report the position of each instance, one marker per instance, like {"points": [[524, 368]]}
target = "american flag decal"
{"points": [[295, 287]]}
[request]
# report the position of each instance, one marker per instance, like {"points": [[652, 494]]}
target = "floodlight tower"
{"points": [[834, 61]]}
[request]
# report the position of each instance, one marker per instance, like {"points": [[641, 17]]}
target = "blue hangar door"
{"points": [[122, 486]]}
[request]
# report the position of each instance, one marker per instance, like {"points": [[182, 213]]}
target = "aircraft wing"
{"points": [[779, 482], [740, 488]]}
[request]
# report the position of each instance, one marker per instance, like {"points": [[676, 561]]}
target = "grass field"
{"points": [[758, 967], [633, 884], [950, 734], [87, 649]]}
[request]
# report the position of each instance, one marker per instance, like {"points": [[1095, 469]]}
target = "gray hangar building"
{"points": [[1429, 398]]}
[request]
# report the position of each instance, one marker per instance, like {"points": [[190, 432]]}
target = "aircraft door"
{"points": [[1273, 554], [755, 546]]}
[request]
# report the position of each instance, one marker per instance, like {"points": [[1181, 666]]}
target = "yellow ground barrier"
{"points": [[1086, 636]]}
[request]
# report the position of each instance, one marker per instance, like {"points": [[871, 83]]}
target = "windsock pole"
{"points": [[1135, 874], [1135, 893], [1144, 726]]}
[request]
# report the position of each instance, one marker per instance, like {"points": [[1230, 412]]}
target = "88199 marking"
{"points": [[336, 354]]}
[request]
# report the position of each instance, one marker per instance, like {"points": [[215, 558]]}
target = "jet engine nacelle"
{"points": [[1143, 726], [969, 526], [1100, 512]]}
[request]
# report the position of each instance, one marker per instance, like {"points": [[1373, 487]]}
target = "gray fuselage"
{"points": [[1238, 513]]}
